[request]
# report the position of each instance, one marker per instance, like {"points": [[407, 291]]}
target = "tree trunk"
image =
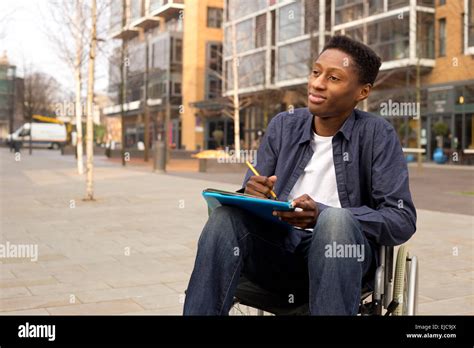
{"points": [[78, 75], [90, 106], [235, 75]]}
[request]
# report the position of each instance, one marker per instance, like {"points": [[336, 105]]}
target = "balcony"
{"points": [[126, 33], [391, 37], [166, 8], [147, 22]]}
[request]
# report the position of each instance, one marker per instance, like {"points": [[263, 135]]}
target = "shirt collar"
{"points": [[346, 128]]}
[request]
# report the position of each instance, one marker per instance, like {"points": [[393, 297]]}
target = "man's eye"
{"points": [[333, 78], [315, 72]]}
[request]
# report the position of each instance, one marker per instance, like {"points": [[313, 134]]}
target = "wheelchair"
{"points": [[395, 291]]}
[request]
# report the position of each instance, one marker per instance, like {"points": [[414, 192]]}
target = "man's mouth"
{"points": [[316, 98]]}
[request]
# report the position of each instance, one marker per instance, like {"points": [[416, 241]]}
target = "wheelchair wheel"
{"points": [[405, 289], [240, 309]]}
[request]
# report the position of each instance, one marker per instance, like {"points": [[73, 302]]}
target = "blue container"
{"points": [[439, 156]]}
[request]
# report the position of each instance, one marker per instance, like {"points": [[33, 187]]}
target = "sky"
{"points": [[23, 25]]}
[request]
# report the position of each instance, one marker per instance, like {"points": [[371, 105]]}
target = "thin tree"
{"points": [[69, 43], [236, 104], [78, 88], [90, 104]]}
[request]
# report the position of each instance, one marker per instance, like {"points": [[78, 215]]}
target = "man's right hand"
{"points": [[260, 186]]}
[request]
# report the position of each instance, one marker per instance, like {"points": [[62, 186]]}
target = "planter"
{"points": [[439, 156]]}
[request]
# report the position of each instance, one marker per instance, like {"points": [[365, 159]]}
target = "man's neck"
{"points": [[328, 126]]}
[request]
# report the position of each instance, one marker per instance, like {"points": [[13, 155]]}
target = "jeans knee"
{"points": [[220, 226], [336, 224]]}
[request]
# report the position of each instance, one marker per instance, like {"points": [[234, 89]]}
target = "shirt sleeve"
{"points": [[393, 221], [267, 153]]}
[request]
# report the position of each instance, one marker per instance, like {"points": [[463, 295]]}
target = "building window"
{"points": [[215, 57], [470, 23], [214, 17], [389, 37], [251, 71], [177, 50], [177, 88], [425, 35], [348, 10], [293, 60], [238, 8], [115, 15], [135, 9], [441, 2], [244, 36], [214, 88], [260, 30], [311, 16], [214, 70], [290, 24], [427, 3], [392, 4], [442, 37]]}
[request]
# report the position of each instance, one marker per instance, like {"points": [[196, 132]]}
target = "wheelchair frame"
{"points": [[403, 303]]}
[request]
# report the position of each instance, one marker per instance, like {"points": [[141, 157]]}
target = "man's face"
{"points": [[333, 85]]}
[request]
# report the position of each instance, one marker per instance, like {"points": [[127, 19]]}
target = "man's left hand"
{"points": [[305, 217]]}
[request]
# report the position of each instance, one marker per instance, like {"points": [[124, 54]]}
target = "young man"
{"points": [[344, 169]]}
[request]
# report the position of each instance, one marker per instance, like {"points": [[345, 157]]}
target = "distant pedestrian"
{"points": [[16, 146]]}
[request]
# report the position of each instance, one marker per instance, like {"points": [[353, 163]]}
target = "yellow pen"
{"points": [[256, 173]]}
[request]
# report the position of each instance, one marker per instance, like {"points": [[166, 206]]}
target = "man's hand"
{"points": [[305, 217], [260, 186]]}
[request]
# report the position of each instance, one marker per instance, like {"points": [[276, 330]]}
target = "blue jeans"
{"points": [[325, 267]]}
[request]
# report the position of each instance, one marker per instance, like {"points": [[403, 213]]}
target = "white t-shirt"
{"points": [[319, 177]]}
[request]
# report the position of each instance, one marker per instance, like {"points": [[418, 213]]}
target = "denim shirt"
{"points": [[371, 171]]}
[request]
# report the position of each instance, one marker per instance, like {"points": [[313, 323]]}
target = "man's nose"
{"points": [[318, 83]]}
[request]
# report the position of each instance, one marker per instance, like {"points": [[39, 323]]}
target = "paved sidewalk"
{"points": [[132, 250]]}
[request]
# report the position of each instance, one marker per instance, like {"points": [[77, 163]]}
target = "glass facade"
{"points": [[135, 9], [348, 10], [115, 16], [294, 60], [251, 70], [237, 9], [290, 23]]}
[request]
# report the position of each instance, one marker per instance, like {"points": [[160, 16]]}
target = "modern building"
{"points": [[167, 47], [273, 43], [418, 40], [11, 98]]}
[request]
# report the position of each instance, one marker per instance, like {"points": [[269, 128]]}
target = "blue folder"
{"points": [[258, 206]]}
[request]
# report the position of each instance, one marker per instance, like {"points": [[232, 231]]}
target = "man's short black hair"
{"points": [[366, 60]]}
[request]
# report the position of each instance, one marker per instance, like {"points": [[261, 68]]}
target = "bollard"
{"points": [[159, 157]]}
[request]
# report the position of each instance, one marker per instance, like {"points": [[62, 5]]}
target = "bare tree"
{"points": [[70, 43], [236, 103], [39, 94], [90, 102]]}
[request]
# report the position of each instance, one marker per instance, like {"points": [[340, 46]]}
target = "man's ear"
{"points": [[364, 92]]}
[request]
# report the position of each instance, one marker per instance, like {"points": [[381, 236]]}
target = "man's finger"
{"points": [[255, 193], [266, 181], [265, 190], [305, 202]]}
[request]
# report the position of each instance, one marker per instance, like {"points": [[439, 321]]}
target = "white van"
{"points": [[51, 135]]}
